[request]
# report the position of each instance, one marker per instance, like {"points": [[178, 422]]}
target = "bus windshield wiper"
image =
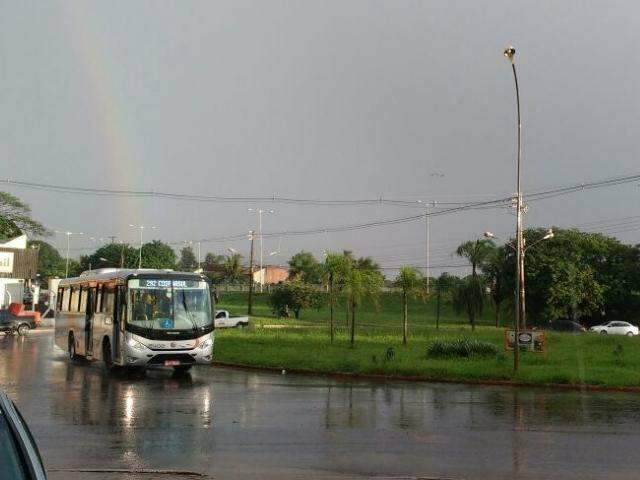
{"points": [[189, 316]]}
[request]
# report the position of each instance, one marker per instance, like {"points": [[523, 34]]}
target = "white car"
{"points": [[224, 320], [616, 328]]}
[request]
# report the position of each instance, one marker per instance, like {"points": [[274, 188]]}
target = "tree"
{"points": [[476, 252], [157, 254], [334, 269], [50, 262], [15, 218], [113, 255], [233, 269], [188, 261], [304, 267], [579, 275], [468, 297], [495, 271], [294, 296], [411, 282], [214, 266], [362, 279]]}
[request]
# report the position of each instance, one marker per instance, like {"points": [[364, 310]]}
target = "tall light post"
{"points": [[427, 241], [525, 248], [510, 53], [68, 234], [260, 211], [141, 228]]}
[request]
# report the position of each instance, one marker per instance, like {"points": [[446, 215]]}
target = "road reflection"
{"points": [[226, 422]]}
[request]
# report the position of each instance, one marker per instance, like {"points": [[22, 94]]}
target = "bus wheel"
{"points": [[182, 368], [106, 356]]}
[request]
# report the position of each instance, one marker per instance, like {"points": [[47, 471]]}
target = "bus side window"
{"points": [[84, 292], [99, 298], [108, 300], [75, 299], [60, 299]]}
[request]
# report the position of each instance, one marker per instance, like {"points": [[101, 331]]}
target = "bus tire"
{"points": [[106, 356], [182, 368]]}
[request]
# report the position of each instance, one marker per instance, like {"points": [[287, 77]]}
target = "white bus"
{"points": [[136, 318]]}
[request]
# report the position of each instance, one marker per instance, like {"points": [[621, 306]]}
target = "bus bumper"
{"points": [[136, 354]]}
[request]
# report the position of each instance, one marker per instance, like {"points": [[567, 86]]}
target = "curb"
{"points": [[400, 378]]}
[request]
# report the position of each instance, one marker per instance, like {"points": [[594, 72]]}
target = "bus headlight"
{"points": [[206, 344], [135, 344]]}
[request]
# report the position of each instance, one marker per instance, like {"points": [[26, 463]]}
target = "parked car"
{"points": [[222, 319], [616, 328], [10, 324], [19, 455], [566, 326]]}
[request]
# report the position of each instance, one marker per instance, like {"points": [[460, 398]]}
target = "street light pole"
{"points": [[141, 228], [260, 211], [510, 53], [68, 234]]}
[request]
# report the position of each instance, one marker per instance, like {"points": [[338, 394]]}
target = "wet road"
{"points": [[235, 424]]}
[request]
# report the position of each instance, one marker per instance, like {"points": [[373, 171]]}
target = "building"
{"points": [[18, 267], [270, 274]]}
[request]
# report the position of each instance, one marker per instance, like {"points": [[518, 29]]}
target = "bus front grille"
{"points": [[183, 358]]}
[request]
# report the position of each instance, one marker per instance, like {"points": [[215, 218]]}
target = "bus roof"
{"points": [[111, 274]]}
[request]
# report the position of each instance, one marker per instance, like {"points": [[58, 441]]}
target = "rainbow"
{"points": [[122, 152]]}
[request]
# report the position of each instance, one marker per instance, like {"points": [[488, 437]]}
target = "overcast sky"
{"points": [[317, 99]]}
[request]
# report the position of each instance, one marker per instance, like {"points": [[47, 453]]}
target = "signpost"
{"points": [[528, 340]]}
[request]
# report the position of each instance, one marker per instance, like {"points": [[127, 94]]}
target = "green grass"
{"points": [[592, 359], [388, 314]]}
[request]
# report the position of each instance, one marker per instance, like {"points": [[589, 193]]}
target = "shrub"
{"points": [[461, 347]]}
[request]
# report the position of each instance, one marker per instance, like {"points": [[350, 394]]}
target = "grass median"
{"points": [[303, 344], [588, 359]]}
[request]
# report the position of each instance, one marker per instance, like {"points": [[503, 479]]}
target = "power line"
{"points": [[212, 198]]}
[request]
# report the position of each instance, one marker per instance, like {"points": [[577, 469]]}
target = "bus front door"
{"points": [[88, 322]]}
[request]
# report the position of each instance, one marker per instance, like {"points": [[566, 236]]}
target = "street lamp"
{"points": [[68, 234], [260, 211], [510, 53], [102, 259], [141, 228]]}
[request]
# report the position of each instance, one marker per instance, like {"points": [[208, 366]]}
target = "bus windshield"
{"points": [[165, 304]]}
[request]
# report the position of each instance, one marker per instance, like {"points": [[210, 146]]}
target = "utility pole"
{"points": [[122, 255], [250, 309], [427, 221], [510, 53]]}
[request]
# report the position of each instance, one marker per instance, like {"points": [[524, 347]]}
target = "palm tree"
{"points": [[233, 268], [362, 279], [476, 252], [333, 271], [411, 282], [468, 296], [495, 269]]}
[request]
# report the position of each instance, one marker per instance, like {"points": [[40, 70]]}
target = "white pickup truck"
{"points": [[222, 319]]}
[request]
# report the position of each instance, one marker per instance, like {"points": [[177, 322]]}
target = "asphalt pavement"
{"points": [[227, 424]]}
